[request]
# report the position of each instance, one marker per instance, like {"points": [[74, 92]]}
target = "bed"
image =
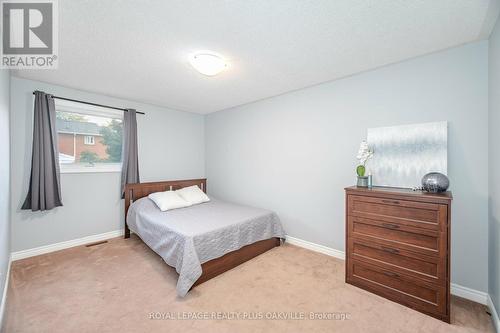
{"points": [[201, 241]]}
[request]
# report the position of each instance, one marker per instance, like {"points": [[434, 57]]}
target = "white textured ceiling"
{"points": [[139, 50]]}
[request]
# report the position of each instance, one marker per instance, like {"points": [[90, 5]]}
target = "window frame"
{"points": [[88, 110], [89, 140]]}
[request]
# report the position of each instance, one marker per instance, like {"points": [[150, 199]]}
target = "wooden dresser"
{"points": [[398, 246]]}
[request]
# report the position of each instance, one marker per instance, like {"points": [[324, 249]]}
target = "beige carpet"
{"points": [[115, 287]]}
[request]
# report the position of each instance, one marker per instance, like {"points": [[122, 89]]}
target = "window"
{"points": [[89, 138]]}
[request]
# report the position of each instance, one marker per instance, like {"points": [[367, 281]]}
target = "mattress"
{"points": [[188, 237]]}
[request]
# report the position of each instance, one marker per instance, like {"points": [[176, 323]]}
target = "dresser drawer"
{"points": [[417, 294], [398, 259], [411, 213], [418, 240]]}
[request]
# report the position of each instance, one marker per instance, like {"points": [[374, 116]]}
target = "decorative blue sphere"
{"points": [[435, 182]]}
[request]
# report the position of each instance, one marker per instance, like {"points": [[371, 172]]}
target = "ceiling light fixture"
{"points": [[207, 63]]}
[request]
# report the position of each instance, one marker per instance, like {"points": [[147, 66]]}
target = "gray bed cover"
{"points": [[187, 237]]}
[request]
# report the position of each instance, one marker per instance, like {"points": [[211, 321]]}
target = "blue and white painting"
{"points": [[404, 154]]}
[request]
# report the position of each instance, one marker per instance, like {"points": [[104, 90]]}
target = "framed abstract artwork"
{"points": [[404, 154]]}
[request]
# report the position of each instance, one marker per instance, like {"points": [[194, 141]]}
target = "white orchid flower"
{"points": [[364, 152]]}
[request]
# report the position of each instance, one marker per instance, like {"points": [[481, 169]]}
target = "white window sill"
{"points": [[102, 168], [89, 171]]}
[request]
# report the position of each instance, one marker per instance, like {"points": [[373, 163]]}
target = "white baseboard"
{"points": [[471, 294], [4, 294], [457, 290], [494, 314], [64, 245], [316, 247]]}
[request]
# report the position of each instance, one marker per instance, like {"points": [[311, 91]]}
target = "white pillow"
{"points": [[193, 194], [168, 200]]}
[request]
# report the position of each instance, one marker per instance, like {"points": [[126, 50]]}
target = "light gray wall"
{"points": [[295, 153], [171, 146], [4, 179], [494, 166]]}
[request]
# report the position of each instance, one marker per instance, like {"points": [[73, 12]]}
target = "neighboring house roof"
{"points": [[77, 127]]}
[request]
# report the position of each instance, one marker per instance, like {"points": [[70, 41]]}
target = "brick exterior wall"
{"points": [[66, 145]]}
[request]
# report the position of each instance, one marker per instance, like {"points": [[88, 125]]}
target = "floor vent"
{"points": [[96, 243]]}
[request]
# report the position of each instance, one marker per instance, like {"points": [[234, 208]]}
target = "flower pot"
{"points": [[362, 181]]}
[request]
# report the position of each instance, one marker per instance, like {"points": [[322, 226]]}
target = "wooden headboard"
{"points": [[136, 191]]}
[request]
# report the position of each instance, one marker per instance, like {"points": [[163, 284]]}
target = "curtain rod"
{"points": [[89, 103]]}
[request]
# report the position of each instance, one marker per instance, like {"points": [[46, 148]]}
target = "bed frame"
{"points": [[213, 267]]}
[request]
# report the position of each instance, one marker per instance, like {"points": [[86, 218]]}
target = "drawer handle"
{"points": [[394, 202], [391, 274], [390, 225], [389, 249]]}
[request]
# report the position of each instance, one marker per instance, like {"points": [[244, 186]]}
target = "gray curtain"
{"points": [[130, 156], [44, 192]]}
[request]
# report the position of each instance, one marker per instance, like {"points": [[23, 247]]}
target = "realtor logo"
{"points": [[29, 34]]}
